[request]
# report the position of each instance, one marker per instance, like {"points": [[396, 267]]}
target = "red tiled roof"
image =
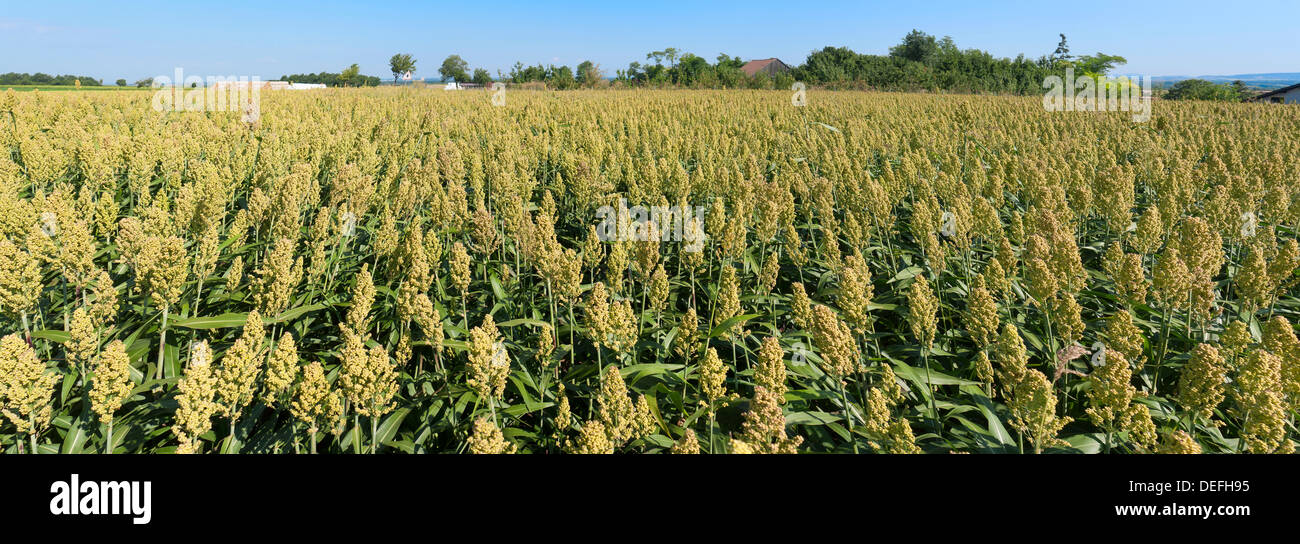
{"points": [[771, 66]]}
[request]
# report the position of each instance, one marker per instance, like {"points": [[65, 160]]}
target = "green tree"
{"points": [[146, 82], [589, 74], [350, 77], [121, 83], [482, 76], [916, 46], [1200, 89], [1062, 53], [562, 78], [1099, 64], [400, 64], [454, 68], [1243, 92]]}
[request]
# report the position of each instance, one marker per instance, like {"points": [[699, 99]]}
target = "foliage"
{"points": [[454, 68], [401, 63]]}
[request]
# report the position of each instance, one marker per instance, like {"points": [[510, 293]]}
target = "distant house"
{"points": [[266, 85], [1285, 95], [771, 67]]}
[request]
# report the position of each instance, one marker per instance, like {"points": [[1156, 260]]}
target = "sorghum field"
{"points": [[419, 271]]}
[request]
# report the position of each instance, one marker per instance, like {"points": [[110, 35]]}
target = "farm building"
{"points": [[268, 85], [771, 67], [1285, 95]]}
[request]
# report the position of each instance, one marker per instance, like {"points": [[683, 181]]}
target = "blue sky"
{"points": [[269, 38]]}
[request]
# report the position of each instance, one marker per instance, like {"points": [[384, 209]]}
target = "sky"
{"points": [[267, 39]]}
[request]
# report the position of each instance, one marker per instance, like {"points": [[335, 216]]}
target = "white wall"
{"points": [[1289, 97]]}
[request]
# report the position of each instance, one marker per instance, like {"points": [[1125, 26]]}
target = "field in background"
{"points": [[62, 88]]}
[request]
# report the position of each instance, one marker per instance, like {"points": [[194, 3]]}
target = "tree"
{"points": [[1099, 64], [146, 82], [725, 61], [348, 78], [121, 83], [482, 76], [669, 54], [454, 68], [562, 77], [401, 63], [1243, 92], [589, 74], [692, 69], [1062, 53], [916, 46], [1200, 89]]}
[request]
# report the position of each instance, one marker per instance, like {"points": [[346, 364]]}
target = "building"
{"points": [[771, 67], [1285, 95], [266, 85]]}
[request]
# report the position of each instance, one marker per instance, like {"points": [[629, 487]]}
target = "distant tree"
{"points": [[634, 73], [1243, 92], [454, 68], [725, 61], [482, 76], [1099, 64], [146, 82], [1200, 89], [349, 77], [1062, 53], [562, 78], [916, 46], [401, 63], [121, 83], [589, 74], [728, 71], [692, 69], [669, 54], [783, 80]]}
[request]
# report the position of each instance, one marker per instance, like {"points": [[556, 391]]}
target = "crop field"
{"points": [[69, 88], [419, 271]]}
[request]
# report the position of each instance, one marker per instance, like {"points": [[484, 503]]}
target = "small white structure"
{"points": [[1285, 95], [266, 85], [452, 86]]}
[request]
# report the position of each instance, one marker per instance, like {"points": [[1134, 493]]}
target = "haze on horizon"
{"points": [[238, 37]]}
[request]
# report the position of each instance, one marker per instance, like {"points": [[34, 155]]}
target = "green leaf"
{"points": [[729, 323], [212, 322], [61, 337], [228, 320], [389, 426], [812, 417]]}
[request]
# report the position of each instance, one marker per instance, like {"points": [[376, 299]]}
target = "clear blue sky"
{"points": [[269, 38]]}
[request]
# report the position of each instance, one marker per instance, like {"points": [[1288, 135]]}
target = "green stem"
{"points": [[162, 341]]}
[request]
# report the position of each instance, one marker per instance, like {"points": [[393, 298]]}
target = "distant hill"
{"points": [[1263, 82]]}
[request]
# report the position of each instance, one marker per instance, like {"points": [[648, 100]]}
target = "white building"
{"points": [[1285, 95]]}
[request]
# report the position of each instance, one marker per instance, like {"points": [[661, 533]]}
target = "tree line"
{"points": [[14, 78], [919, 62], [349, 77]]}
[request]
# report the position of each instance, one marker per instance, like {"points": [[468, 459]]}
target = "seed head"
{"points": [[112, 382]]}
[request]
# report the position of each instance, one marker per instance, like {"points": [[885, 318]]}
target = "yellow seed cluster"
{"points": [[195, 399], [26, 386], [402, 260], [112, 381], [488, 440], [489, 364]]}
